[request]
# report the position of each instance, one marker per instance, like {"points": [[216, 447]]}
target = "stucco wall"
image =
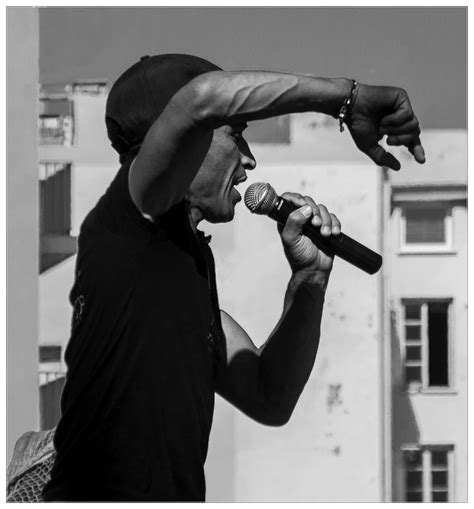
{"points": [[435, 417], [336, 428]]}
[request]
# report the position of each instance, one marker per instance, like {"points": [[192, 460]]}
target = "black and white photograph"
{"points": [[236, 254]]}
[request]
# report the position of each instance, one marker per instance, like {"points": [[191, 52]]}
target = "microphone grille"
{"points": [[260, 198]]}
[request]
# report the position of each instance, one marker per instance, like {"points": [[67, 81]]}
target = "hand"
{"points": [[378, 111], [301, 252]]}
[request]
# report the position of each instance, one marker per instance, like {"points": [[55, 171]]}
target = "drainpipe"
{"points": [[385, 351]]}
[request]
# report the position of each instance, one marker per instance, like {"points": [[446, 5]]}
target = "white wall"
{"points": [[22, 224], [327, 445]]}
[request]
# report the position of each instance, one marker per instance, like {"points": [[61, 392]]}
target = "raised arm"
{"points": [[178, 140]]}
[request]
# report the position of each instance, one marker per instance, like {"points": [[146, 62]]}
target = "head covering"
{"points": [[141, 93]]}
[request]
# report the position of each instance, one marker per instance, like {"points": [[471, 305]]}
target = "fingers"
{"points": [[402, 110], [401, 116], [402, 128], [326, 221], [410, 127], [383, 158], [411, 142], [307, 211], [336, 224], [418, 152]]}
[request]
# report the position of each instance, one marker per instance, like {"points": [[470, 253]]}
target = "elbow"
{"points": [[276, 420], [275, 414]]}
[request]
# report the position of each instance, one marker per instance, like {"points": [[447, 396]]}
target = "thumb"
{"points": [[383, 158], [294, 224]]}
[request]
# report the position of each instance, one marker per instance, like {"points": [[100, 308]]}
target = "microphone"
{"points": [[261, 198]]}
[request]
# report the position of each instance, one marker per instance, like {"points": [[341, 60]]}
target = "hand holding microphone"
{"points": [[288, 210]]}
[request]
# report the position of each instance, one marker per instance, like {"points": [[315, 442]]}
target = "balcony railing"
{"points": [[45, 377], [51, 388]]}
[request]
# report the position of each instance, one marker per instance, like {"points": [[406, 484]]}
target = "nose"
{"points": [[247, 160]]}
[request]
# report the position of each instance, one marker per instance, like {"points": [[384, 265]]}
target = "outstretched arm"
{"points": [[265, 383], [178, 140]]}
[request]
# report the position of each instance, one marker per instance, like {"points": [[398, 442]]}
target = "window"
{"points": [[428, 473], [51, 383], [426, 343], [55, 198], [55, 121], [56, 244], [426, 228], [50, 353], [49, 363], [90, 87]]}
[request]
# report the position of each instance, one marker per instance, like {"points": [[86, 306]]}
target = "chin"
{"points": [[222, 217]]}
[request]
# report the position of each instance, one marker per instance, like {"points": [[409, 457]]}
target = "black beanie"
{"points": [[141, 93]]}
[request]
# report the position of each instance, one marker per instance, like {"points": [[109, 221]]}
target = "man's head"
{"points": [[141, 93], [137, 99]]}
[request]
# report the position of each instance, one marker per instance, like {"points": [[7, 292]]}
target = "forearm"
{"points": [[242, 96], [178, 140], [287, 358]]}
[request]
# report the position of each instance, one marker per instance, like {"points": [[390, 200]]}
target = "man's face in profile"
{"points": [[213, 190]]}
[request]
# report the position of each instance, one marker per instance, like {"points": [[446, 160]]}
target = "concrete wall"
{"points": [[331, 434], [22, 223], [435, 417]]}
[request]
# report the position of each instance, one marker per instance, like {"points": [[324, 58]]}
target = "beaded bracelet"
{"points": [[345, 108]]}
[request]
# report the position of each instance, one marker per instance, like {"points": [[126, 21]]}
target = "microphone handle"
{"points": [[341, 245]]}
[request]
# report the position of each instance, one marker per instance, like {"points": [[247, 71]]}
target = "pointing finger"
{"points": [[416, 148], [412, 143], [382, 157]]}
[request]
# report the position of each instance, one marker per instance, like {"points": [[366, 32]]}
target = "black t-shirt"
{"points": [[138, 401]]}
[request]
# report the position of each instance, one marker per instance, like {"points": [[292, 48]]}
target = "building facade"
{"points": [[350, 438], [427, 247]]}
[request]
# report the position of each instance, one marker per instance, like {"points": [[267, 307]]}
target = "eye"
{"points": [[237, 136]]}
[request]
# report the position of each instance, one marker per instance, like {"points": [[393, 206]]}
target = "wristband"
{"points": [[345, 110]]}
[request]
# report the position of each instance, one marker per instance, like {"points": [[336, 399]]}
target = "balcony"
{"points": [[51, 384]]}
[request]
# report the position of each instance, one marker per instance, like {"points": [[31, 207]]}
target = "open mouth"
{"points": [[239, 180], [235, 182]]}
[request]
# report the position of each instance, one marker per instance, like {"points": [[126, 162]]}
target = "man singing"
{"points": [[149, 345]]}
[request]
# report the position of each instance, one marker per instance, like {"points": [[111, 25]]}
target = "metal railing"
{"points": [[51, 384]]}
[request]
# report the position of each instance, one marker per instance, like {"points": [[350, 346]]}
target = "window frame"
{"points": [[426, 247], [426, 451], [66, 122], [57, 348], [424, 387], [56, 245]]}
